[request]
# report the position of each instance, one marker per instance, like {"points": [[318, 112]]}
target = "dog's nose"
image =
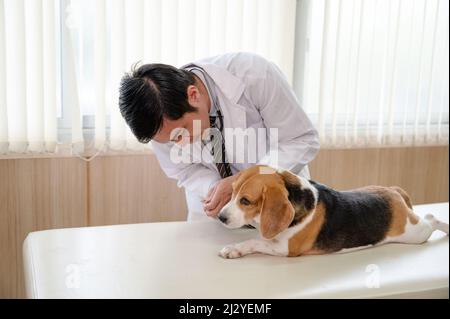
{"points": [[223, 218]]}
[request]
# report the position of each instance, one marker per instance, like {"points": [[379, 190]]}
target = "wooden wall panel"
{"points": [[346, 169], [421, 171], [36, 194], [132, 189]]}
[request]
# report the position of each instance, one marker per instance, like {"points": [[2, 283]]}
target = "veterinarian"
{"points": [[240, 91]]}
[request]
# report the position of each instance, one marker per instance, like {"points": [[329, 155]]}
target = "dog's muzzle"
{"points": [[223, 218], [224, 215]]}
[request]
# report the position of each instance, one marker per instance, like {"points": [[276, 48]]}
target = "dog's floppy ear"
{"points": [[276, 211], [303, 196]]}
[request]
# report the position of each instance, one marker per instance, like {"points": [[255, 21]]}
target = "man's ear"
{"points": [[193, 95], [276, 211]]}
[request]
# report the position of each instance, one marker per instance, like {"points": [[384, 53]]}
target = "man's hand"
{"points": [[218, 196]]}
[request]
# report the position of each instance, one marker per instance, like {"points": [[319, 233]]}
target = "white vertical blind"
{"points": [[384, 43], [49, 77], [186, 39], [3, 113], [98, 41], [134, 48], [234, 23], [374, 71], [250, 23], [100, 73], [337, 59], [282, 35], [356, 101], [202, 23], [373, 6], [432, 71], [28, 76], [118, 128], [152, 43], [394, 72], [14, 16], [169, 31], [34, 73], [323, 65], [217, 26], [264, 24], [71, 100], [70, 79], [443, 96], [172, 32]]}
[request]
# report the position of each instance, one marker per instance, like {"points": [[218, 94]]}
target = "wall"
{"points": [[45, 193], [421, 171]]}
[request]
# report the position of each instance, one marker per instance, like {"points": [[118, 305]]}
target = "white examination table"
{"points": [[179, 260]]}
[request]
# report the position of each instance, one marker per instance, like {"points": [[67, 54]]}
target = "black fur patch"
{"points": [[352, 219], [308, 199], [301, 199]]}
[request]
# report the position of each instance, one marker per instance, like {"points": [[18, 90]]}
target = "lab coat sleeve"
{"points": [[194, 177], [297, 140]]}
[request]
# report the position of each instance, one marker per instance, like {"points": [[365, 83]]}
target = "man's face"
{"points": [[174, 130]]}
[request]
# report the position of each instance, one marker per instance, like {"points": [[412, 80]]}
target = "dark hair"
{"points": [[150, 93]]}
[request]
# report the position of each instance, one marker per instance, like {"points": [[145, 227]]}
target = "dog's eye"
{"points": [[244, 201]]}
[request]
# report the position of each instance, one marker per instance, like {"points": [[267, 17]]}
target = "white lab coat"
{"points": [[253, 93]]}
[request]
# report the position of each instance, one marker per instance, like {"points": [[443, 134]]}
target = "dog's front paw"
{"points": [[230, 251]]}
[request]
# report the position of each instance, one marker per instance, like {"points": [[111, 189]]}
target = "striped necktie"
{"points": [[216, 122]]}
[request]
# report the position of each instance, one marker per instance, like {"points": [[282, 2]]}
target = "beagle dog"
{"points": [[297, 216]]}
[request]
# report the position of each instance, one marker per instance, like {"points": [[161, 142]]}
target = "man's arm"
{"points": [[298, 141]]}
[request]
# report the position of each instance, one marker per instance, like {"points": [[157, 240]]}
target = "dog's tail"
{"points": [[404, 194]]}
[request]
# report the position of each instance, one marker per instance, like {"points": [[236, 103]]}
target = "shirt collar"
{"points": [[230, 85]]}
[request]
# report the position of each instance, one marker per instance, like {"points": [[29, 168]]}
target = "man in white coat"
{"points": [[243, 97]]}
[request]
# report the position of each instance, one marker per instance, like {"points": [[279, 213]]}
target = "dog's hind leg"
{"points": [[419, 232], [436, 224]]}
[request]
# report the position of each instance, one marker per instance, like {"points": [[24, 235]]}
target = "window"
{"points": [[374, 71]]}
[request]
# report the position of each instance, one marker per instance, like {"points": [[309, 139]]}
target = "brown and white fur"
{"points": [[296, 216]]}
